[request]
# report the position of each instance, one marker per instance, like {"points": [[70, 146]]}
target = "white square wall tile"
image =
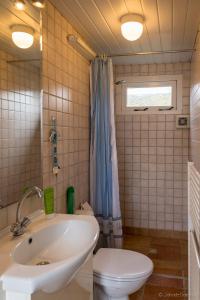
{"points": [[160, 154]]}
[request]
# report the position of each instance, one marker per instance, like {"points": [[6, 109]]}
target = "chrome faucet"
{"points": [[20, 225]]}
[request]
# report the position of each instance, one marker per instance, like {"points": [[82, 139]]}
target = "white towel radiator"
{"points": [[194, 232]]}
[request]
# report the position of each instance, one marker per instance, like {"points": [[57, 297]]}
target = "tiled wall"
{"points": [[66, 97], [153, 157], [65, 81], [20, 147], [195, 105]]}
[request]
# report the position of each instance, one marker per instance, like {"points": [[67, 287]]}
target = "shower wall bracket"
{"points": [[54, 151]]}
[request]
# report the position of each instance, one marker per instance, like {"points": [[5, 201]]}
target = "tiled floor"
{"points": [[169, 255]]}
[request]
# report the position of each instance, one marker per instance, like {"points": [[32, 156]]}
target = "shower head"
{"points": [[120, 82]]}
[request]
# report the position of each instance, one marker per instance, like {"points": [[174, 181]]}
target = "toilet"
{"points": [[119, 273]]}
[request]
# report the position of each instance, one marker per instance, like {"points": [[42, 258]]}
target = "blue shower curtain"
{"points": [[104, 185]]}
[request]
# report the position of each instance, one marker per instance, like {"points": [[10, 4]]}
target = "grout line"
{"points": [[170, 276]]}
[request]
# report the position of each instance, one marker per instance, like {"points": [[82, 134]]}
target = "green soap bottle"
{"points": [[70, 200], [49, 200]]}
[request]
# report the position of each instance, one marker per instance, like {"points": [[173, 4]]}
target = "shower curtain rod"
{"points": [[85, 50], [150, 53]]}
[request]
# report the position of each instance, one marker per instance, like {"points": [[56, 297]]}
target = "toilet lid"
{"points": [[120, 264]]}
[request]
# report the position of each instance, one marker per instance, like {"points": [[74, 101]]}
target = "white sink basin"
{"points": [[49, 255]]}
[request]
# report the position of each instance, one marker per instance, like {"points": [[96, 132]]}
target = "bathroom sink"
{"points": [[49, 255], [54, 243]]}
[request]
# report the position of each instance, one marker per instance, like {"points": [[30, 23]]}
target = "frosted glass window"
{"points": [[149, 96]]}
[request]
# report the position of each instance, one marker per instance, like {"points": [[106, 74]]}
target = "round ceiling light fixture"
{"points": [[22, 36], [19, 4], [132, 26], [38, 3]]}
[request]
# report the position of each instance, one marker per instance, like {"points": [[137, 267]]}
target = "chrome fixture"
{"points": [[120, 82], [78, 44], [89, 54], [54, 148], [20, 225], [152, 53]]}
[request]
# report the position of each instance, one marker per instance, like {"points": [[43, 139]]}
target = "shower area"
{"points": [[153, 152]]}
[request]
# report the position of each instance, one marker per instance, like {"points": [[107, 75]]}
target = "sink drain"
{"points": [[43, 263]]}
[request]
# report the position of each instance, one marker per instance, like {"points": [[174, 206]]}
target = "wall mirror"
{"points": [[20, 100]]}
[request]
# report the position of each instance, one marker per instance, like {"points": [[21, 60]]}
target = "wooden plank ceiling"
{"points": [[169, 25]]}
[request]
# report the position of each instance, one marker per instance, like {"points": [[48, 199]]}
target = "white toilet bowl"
{"points": [[119, 273]]}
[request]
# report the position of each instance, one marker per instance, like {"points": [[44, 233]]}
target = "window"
{"points": [[151, 94], [160, 96]]}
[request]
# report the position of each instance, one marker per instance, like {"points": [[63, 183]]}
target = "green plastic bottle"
{"points": [[49, 200], [70, 200]]}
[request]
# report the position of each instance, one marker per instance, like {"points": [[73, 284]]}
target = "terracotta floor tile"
{"points": [[160, 293], [139, 295], [168, 267], [185, 283], [162, 281], [165, 241], [185, 269], [137, 243], [137, 240], [166, 252], [184, 247], [170, 259]]}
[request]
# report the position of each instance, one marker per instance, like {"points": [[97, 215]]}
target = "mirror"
{"points": [[20, 103]]}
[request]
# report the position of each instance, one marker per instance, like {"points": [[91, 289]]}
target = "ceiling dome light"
{"points": [[19, 4], [22, 36], [38, 3], [132, 26]]}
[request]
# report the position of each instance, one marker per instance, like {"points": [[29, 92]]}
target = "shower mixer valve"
{"points": [[54, 139]]}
